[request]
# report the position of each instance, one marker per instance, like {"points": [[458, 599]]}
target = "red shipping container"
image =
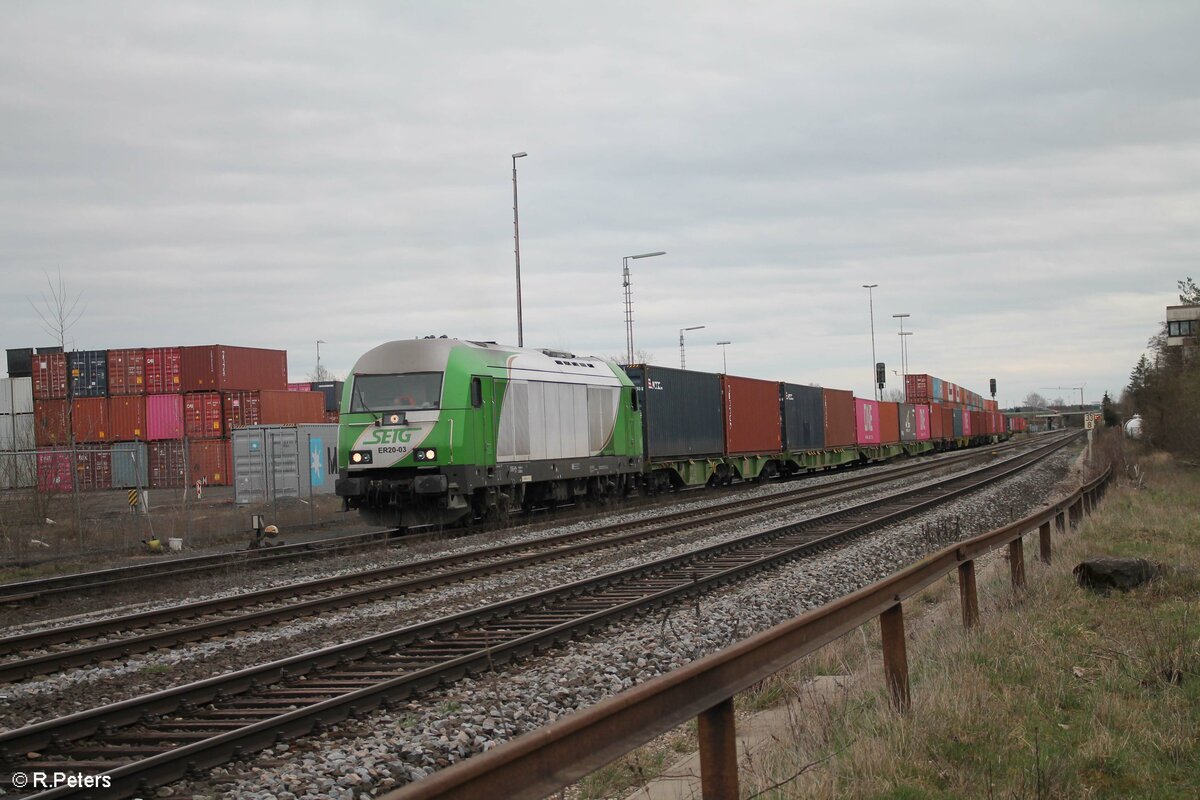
{"points": [[751, 411], [333, 416], [202, 415], [889, 422], [54, 471], [839, 417], [947, 422], [126, 372], [299, 387], [127, 419], [935, 422], [222, 367], [50, 423], [164, 416], [166, 464], [866, 421], [978, 425], [272, 407], [89, 419], [162, 370], [208, 462], [93, 468], [917, 388], [50, 376]]}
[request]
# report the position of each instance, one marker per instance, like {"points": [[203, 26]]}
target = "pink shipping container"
{"points": [[89, 419], [299, 387], [751, 409], [967, 427], [923, 424], [202, 415], [162, 370], [49, 376], [126, 372], [225, 368], [127, 418], [866, 421], [273, 407], [54, 471], [164, 417]]}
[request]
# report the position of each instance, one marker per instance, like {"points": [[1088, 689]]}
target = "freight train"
{"points": [[446, 431]]}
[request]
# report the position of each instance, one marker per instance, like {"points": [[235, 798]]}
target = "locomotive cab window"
{"points": [[633, 401], [415, 391], [476, 393]]}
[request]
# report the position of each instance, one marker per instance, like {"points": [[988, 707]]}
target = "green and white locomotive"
{"points": [[443, 431]]}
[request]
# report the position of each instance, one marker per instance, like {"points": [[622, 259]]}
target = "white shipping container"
{"points": [[18, 470], [16, 432], [277, 461], [16, 395]]}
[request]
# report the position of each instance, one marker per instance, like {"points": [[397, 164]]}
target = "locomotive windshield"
{"points": [[416, 390]]}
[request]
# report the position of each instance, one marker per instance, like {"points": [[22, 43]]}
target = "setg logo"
{"points": [[390, 436]]}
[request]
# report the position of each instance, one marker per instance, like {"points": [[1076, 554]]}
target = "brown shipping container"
{"points": [[93, 468], [751, 411], [889, 423], [208, 462], [126, 372], [917, 388], [50, 423], [202, 415], [166, 464], [839, 417], [162, 370], [978, 425], [224, 368], [935, 422], [50, 376], [127, 418], [272, 407], [947, 422], [89, 419]]}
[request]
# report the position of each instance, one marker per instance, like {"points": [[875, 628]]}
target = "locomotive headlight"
{"points": [[426, 454], [360, 456]]}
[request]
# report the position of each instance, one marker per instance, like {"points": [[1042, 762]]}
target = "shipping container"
{"points": [[908, 422], [16, 433], [924, 420], [918, 388], [167, 464], [88, 373], [751, 410], [300, 387], [54, 471], [89, 419], [978, 428], [130, 465], [127, 418], [50, 376], [839, 417], [803, 409], [202, 415], [16, 395], [20, 362], [949, 429], [272, 407], [936, 390], [332, 390], [681, 412], [18, 470], [225, 368], [333, 417], [889, 422], [866, 421], [275, 461], [162, 370], [164, 416], [208, 462], [936, 429], [961, 421], [93, 468], [126, 372], [50, 423]]}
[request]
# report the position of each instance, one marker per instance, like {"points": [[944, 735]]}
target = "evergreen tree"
{"points": [[1111, 418]]}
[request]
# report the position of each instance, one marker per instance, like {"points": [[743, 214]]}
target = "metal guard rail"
{"points": [[543, 761]]}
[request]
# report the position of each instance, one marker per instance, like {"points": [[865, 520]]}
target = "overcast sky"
{"points": [[1022, 178]]}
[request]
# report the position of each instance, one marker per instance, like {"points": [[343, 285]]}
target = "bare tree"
{"points": [[1034, 400], [320, 375], [893, 395]]}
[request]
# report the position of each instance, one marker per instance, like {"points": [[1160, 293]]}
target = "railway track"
{"points": [[117, 577], [30, 654], [168, 735]]}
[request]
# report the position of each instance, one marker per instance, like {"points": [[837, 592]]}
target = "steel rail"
{"points": [[473, 654], [538, 551]]}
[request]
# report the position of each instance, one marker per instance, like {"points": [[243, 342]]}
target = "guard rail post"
{"points": [[1016, 563], [1060, 521], [968, 597], [895, 656], [717, 733], [1044, 541]]}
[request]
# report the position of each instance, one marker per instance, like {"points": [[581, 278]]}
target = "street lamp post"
{"points": [[629, 301], [319, 343], [517, 251], [682, 361], [871, 287], [903, 356], [724, 361]]}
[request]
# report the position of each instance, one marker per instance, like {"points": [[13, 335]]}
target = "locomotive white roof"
{"points": [[430, 355]]}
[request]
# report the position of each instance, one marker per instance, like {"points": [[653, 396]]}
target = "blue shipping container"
{"points": [[88, 373]]}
